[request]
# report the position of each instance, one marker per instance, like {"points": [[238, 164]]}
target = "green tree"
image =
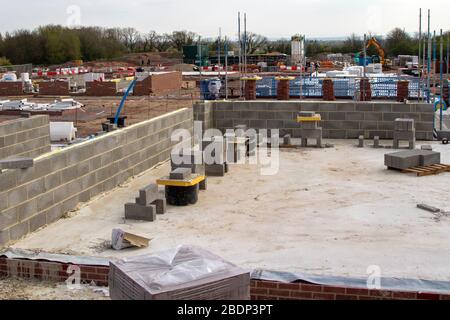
{"points": [[183, 38], [399, 42]]}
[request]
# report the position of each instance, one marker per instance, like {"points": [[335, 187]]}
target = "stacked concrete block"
{"points": [[402, 90], [25, 137], [328, 90], [411, 158], [147, 206], [310, 129], [376, 142], [287, 140], [404, 130], [361, 142], [59, 181]]}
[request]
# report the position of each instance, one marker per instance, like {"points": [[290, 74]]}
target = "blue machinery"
{"points": [[124, 98]]}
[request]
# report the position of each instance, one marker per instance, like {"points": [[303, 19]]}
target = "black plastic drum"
{"points": [[182, 196]]}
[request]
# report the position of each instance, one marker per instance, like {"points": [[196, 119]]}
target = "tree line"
{"points": [[54, 44]]}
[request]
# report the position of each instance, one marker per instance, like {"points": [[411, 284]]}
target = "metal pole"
{"points": [[441, 65], [245, 44], [240, 54], [226, 68], [420, 53], [423, 66], [429, 58], [218, 48], [434, 64], [448, 61]]}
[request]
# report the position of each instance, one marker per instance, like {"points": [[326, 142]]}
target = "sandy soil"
{"points": [[19, 289]]}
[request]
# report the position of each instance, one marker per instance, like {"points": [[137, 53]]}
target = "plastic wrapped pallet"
{"points": [[184, 273]]}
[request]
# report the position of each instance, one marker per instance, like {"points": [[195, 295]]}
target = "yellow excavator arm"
{"points": [[381, 52]]}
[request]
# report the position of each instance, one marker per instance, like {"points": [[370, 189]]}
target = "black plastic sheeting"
{"points": [[388, 284]]}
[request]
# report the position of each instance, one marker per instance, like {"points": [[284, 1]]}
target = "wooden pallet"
{"points": [[428, 170]]}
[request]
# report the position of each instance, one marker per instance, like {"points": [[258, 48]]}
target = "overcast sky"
{"points": [[282, 18]]}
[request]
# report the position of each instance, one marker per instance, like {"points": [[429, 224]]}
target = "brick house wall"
{"points": [[54, 88], [11, 88], [99, 88]]}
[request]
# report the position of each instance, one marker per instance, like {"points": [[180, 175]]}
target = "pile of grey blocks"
{"points": [[404, 129], [149, 204], [310, 129], [411, 158]]}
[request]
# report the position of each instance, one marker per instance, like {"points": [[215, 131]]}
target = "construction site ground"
{"points": [[332, 211]]}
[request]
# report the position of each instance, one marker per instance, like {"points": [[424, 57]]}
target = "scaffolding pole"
{"points": [[441, 67]]}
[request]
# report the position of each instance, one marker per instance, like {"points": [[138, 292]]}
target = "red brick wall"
{"points": [[272, 290], [167, 82], [51, 271], [101, 89], [9, 88], [143, 87], [54, 88], [259, 289]]}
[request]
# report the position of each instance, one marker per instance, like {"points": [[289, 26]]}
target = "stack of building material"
{"points": [[309, 122], [215, 151], [185, 273], [192, 160], [402, 90], [182, 187], [404, 129], [365, 90], [411, 158], [149, 203], [283, 89], [328, 90]]}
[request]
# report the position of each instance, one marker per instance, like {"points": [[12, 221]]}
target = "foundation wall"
{"points": [[259, 290], [25, 137], [341, 120], [59, 181]]}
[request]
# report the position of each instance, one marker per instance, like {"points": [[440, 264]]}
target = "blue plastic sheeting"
{"points": [[382, 87], [390, 284]]}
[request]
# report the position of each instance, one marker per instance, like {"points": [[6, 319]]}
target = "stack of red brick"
{"points": [[328, 90], [250, 90], [365, 89], [283, 90], [446, 89], [402, 90]]}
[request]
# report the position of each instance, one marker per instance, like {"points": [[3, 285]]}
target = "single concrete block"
{"points": [[181, 174], [135, 211], [404, 125], [309, 125], [215, 170], [426, 148], [161, 205], [428, 208], [16, 163]]}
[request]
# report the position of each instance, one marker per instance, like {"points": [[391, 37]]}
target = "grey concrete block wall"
{"points": [[204, 112], [59, 181], [25, 137], [341, 119]]}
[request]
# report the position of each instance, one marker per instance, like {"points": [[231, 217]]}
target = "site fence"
{"points": [[311, 87]]}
